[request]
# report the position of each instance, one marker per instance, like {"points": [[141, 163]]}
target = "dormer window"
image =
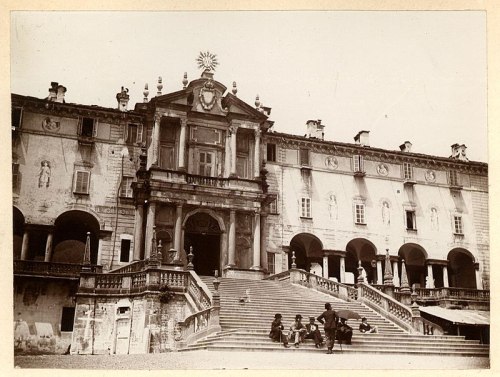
{"points": [[358, 164], [134, 133], [87, 127], [271, 152]]}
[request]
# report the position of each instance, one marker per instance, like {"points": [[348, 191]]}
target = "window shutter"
{"points": [[361, 164], [80, 122], [139, 133], [94, 131]]}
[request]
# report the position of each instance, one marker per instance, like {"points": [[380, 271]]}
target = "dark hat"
{"points": [[277, 315], [298, 316], [363, 319], [313, 318]]}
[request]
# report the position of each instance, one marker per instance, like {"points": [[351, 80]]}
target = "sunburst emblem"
{"points": [[207, 61]]}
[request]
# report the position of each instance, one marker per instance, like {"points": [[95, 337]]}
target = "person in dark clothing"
{"points": [[276, 333], [329, 319], [365, 327], [314, 333], [344, 332]]}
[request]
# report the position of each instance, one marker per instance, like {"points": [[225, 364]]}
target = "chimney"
{"points": [[362, 138], [406, 147], [315, 130], [122, 99], [459, 152]]}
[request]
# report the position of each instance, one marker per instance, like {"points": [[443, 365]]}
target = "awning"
{"points": [[459, 316]]}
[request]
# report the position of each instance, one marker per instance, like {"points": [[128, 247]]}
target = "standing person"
{"points": [[329, 319], [276, 333], [365, 327], [314, 333], [298, 331]]}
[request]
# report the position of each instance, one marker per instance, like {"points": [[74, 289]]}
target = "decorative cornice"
{"points": [[375, 154]]}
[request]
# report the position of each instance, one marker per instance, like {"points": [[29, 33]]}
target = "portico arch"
{"points": [[461, 271], [308, 249], [361, 249], [70, 235], [415, 258]]}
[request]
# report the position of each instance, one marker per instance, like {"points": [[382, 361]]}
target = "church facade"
{"points": [[200, 177]]}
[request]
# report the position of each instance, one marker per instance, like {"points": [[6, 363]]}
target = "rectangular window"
{"points": [[410, 220], [206, 135], [271, 152], [15, 176], [242, 167], [358, 164], [454, 181], [304, 156], [82, 182], [207, 164], [242, 143], [126, 187], [359, 213], [305, 207], [273, 206], [270, 263], [125, 251], [16, 117], [134, 133], [87, 127], [167, 157], [407, 171], [457, 225], [67, 318]]}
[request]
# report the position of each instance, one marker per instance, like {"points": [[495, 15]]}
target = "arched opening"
{"points": [[360, 249], [18, 225], [308, 249], [166, 244], [415, 257], [70, 235], [461, 271], [202, 233]]}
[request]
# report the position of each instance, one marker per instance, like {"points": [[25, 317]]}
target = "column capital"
{"points": [[233, 128], [157, 117], [257, 132], [183, 122]]}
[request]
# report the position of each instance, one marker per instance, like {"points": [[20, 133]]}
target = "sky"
{"points": [[416, 76]]}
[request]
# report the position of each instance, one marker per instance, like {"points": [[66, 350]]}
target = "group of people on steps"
{"points": [[334, 328]]}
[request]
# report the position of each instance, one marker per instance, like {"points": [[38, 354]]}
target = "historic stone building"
{"points": [[200, 178]]}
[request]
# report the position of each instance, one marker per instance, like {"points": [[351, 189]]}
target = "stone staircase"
{"points": [[245, 326]]}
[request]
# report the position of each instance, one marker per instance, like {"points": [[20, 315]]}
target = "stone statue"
{"points": [[332, 207], [434, 219], [44, 177], [386, 216]]}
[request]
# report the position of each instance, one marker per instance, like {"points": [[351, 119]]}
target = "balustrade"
{"points": [[51, 268]]}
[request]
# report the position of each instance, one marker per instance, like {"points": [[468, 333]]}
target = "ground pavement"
{"points": [[203, 359]]}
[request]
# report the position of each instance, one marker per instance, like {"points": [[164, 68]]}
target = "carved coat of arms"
{"points": [[207, 95]]}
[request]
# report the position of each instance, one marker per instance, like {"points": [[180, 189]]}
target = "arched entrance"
{"points": [[415, 257], [308, 249], [360, 249], [461, 271], [70, 235], [202, 233], [18, 222]]}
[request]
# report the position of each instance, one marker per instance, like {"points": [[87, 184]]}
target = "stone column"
{"points": [[325, 266], [263, 235], [479, 282], [182, 145], [155, 140], [380, 275], [342, 269], [256, 243], [232, 239], [178, 227], [233, 129], [99, 252], [227, 156], [256, 160], [25, 245], [395, 273], [446, 284], [138, 231], [430, 276], [150, 222], [48, 247]]}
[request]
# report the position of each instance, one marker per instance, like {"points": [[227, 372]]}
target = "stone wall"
{"points": [[38, 307]]}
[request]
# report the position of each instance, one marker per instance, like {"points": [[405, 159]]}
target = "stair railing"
{"points": [[408, 319], [282, 276]]}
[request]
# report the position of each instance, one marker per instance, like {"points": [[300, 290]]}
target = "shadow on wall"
{"points": [[39, 338]]}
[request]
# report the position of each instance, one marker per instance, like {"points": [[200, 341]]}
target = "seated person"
{"points": [[364, 327], [344, 332], [298, 331], [276, 333], [312, 332]]}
